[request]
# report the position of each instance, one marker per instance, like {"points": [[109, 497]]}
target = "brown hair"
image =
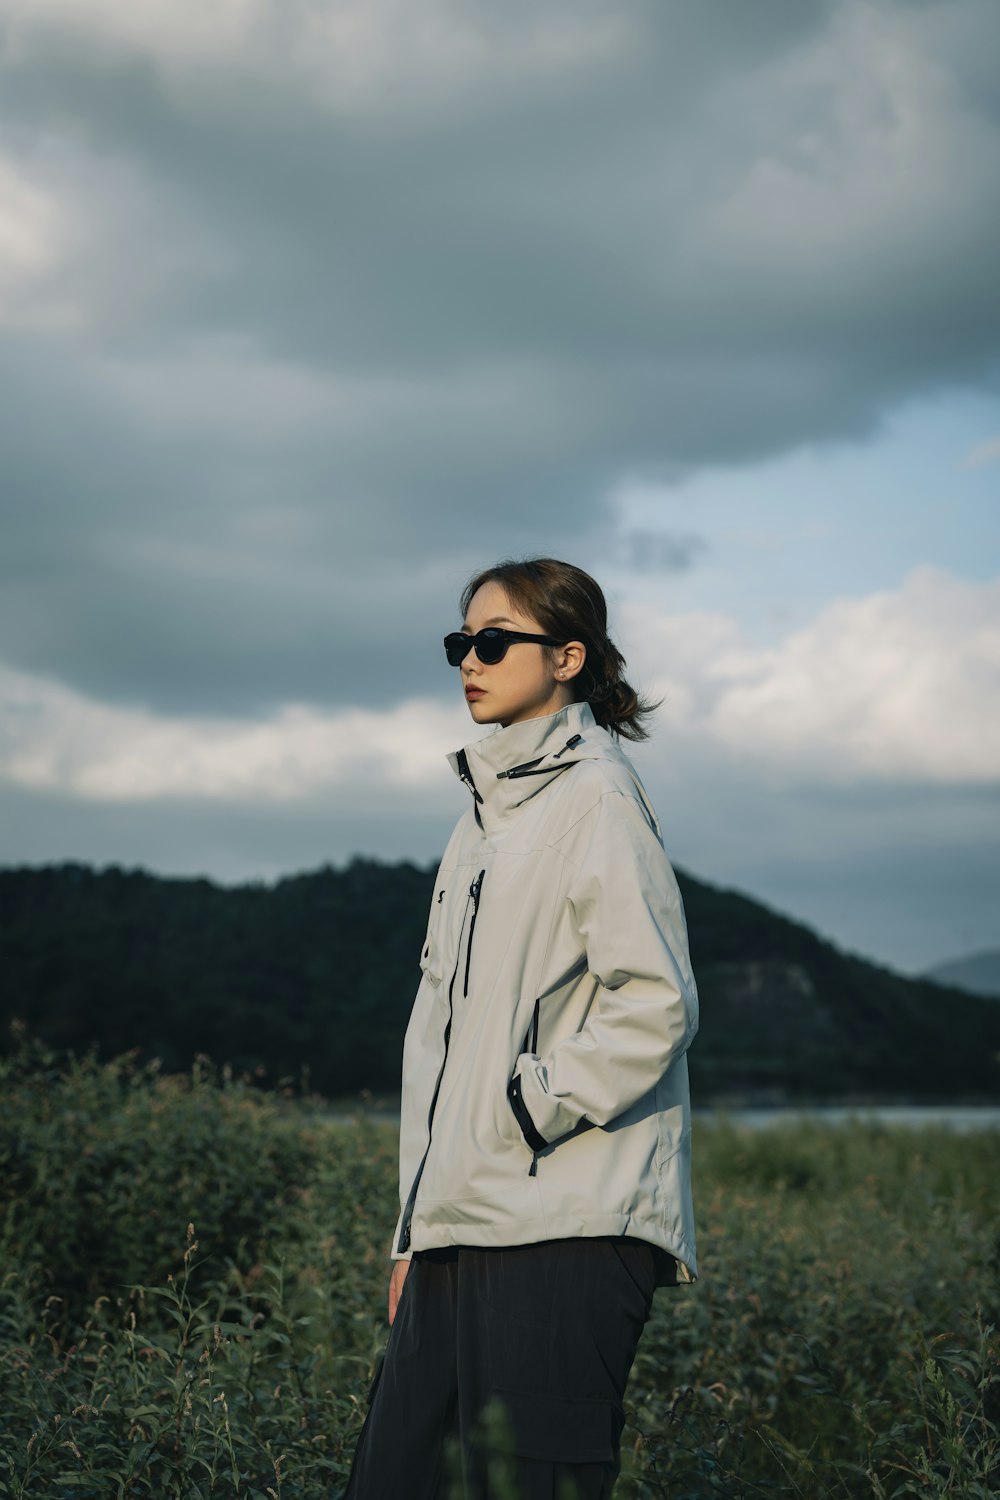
{"points": [[570, 605]]}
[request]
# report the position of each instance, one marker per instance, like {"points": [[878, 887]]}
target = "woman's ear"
{"points": [[570, 659]]}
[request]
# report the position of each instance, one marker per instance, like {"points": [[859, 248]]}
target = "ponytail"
{"points": [[569, 604]]}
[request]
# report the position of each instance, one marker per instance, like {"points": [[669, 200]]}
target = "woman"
{"points": [[545, 1124]]}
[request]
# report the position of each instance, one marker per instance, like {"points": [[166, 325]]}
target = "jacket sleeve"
{"points": [[628, 910]]}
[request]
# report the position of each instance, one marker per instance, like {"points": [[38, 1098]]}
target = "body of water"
{"points": [[906, 1116], [955, 1116]]}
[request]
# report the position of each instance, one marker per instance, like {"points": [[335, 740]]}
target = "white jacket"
{"points": [[545, 1086]]}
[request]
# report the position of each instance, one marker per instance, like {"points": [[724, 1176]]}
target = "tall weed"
{"points": [[102, 1165], [193, 1302]]}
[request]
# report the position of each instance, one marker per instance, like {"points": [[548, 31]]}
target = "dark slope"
{"points": [[788, 1015], [319, 971]]}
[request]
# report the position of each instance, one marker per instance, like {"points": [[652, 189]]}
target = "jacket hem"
{"points": [[529, 1231]]}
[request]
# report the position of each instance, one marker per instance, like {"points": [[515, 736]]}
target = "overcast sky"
{"points": [[309, 309]]}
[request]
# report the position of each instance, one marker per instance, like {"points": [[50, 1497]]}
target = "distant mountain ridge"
{"points": [[320, 970], [979, 973]]}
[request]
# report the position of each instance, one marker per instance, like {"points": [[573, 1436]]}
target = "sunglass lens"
{"points": [[490, 646], [457, 647]]}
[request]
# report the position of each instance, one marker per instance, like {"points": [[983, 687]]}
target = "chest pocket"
{"points": [[432, 953]]}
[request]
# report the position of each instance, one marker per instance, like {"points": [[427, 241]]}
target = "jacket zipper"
{"points": [[532, 768], [474, 892], [532, 1170], [532, 1032]]}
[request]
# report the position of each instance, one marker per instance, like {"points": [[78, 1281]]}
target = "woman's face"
{"points": [[531, 680]]}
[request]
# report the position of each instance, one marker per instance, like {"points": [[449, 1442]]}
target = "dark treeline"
{"points": [[319, 971]]}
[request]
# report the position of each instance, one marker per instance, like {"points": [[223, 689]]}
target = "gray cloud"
{"points": [[907, 874], [344, 328]]}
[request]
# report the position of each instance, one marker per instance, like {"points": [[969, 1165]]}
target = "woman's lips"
{"points": [[474, 692]]}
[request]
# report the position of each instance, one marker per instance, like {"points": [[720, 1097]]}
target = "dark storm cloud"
{"points": [[338, 344], [193, 575]]}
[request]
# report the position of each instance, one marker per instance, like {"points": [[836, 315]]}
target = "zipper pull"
{"points": [[520, 770], [533, 1169], [568, 745], [466, 775]]}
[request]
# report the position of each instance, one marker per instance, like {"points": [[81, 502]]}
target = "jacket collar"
{"points": [[509, 766]]}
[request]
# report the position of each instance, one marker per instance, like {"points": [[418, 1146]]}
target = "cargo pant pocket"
{"points": [[519, 1350], [561, 1429]]}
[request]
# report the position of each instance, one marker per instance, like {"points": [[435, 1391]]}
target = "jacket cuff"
{"points": [[535, 1141]]}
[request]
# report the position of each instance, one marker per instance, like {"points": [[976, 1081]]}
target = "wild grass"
{"points": [[192, 1301]]}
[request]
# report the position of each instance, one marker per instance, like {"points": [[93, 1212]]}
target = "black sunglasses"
{"points": [[491, 644]]}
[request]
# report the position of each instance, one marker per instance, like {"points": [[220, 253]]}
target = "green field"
{"points": [[193, 1277]]}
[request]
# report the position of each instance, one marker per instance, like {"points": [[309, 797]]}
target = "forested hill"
{"points": [[320, 970]]}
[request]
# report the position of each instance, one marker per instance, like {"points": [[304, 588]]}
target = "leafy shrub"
{"points": [[103, 1164], [842, 1341]]}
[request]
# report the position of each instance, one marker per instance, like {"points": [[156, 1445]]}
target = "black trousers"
{"points": [[525, 1349]]}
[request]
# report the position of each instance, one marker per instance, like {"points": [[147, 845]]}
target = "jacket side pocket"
{"points": [[430, 956]]}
